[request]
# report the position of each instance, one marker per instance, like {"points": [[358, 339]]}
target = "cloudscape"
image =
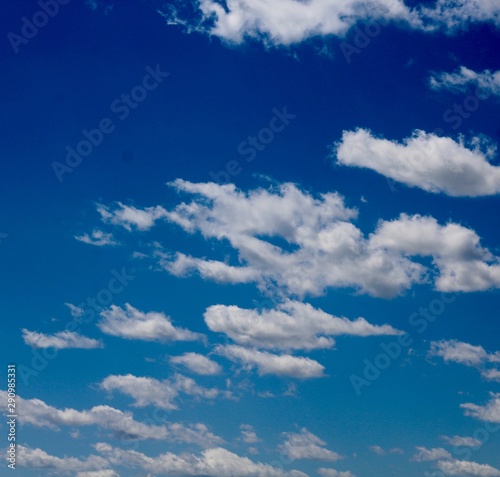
{"points": [[250, 238]]}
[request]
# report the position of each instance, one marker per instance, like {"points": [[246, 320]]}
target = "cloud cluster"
{"points": [[60, 340], [433, 163], [215, 462], [453, 467], [488, 413], [287, 22], [122, 424], [130, 323], [487, 82]]}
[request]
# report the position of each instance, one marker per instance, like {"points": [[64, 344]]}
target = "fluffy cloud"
{"points": [[197, 363], [489, 413], [286, 22], [429, 455], [459, 441], [463, 353], [487, 82], [268, 363], [60, 340], [130, 217], [305, 445], [320, 246], [97, 238], [291, 325], [248, 434], [216, 462], [468, 355], [149, 391], [98, 473], [121, 424], [130, 323], [464, 468], [462, 263], [432, 163], [39, 459]]}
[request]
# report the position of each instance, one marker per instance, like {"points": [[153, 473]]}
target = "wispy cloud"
{"points": [[59, 340]]}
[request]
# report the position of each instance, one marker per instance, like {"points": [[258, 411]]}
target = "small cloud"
{"points": [[97, 238]]}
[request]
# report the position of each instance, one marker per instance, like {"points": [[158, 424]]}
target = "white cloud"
{"points": [[487, 82], [268, 363], [286, 22], [429, 455], [432, 163], [121, 424], [463, 468], [305, 445], [197, 363], [130, 217], [39, 459], [460, 441], [216, 462], [462, 353], [60, 340], [163, 394], [324, 472], [463, 264], [130, 323], [489, 413], [468, 355], [248, 434], [321, 248], [97, 238], [76, 311], [329, 251], [291, 325]]}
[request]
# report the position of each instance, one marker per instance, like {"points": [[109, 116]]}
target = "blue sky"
{"points": [[273, 249]]}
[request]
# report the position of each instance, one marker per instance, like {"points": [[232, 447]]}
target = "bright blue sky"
{"points": [[372, 200]]}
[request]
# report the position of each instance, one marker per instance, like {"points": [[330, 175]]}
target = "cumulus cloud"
{"points": [[291, 325], [248, 434], [464, 468], [487, 82], [60, 340], [489, 412], [122, 424], [463, 353], [197, 363], [463, 264], [468, 355], [305, 445], [432, 163], [130, 323], [97, 238], [269, 363], [130, 217], [153, 392], [290, 243], [216, 462], [30, 458], [287, 22]]}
